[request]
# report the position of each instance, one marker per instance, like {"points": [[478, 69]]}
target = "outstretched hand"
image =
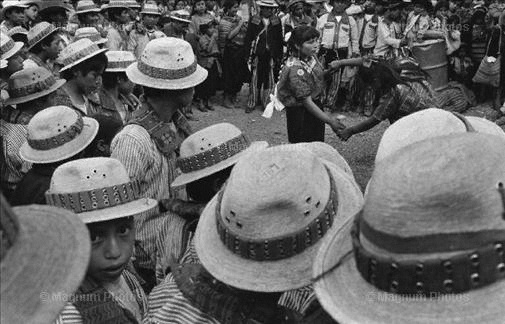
{"points": [[345, 134]]}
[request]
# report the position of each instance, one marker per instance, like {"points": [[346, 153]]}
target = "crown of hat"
{"points": [[119, 59], [39, 32], [6, 43], [29, 81], [443, 185], [117, 4], [273, 193], [167, 58], [181, 13], [133, 4], [151, 9], [85, 5], [15, 3], [90, 33], [77, 50]]}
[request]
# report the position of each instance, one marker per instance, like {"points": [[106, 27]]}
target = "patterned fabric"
{"points": [[139, 38], [13, 136], [123, 115], [388, 39], [404, 100], [226, 25], [265, 87], [117, 38], [456, 97]]}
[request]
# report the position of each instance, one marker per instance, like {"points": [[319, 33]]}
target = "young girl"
{"points": [[200, 14], [208, 58], [300, 88]]}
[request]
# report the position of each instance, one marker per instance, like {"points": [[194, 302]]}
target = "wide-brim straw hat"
{"points": [[17, 30], [85, 6], [39, 32], [274, 193], [150, 9], [181, 15], [211, 150], [423, 195], [429, 123], [13, 4], [46, 4], [117, 4], [103, 187], [267, 3], [78, 52], [167, 63], [90, 33], [118, 61], [133, 4], [45, 264], [30, 84], [8, 47], [56, 134]]}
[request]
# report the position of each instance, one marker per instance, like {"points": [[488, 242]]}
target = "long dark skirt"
{"points": [[208, 88], [303, 126], [235, 69]]}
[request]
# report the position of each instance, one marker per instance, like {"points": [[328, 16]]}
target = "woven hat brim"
{"points": [[265, 4], [186, 178], [129, 209], [66, 67], [348, 298], [88, 10], [33, 96], [269, 276], [50, 258], [150, 13], [54, 4], [116, 70], [180, 19], [65, 151], [54, 31], [189, 81], [13, 50], [117, 6]]}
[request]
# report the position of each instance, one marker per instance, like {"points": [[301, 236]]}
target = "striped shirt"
{"points": [[13, 136]]}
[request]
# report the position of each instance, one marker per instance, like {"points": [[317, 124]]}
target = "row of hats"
{"points": [[85, 6]]}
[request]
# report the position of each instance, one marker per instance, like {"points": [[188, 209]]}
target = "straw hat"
{"points": [[31, 83], [210, 150], [118, 4], [267, 3], [167, 63], [77, 52], [133, 4], [429, 123], [45, 253], [85, 6], [118, 61], [40, 31], [293, 2], [150, 9], [13, 3], [90, 33], [181, 15], [57, 133], [273, 194], [8, 47], [427, 240], [103, 188], [45, 4], [3, 64], [17, 30]]}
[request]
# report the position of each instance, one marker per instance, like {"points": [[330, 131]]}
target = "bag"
{"points": [[489, 72]]}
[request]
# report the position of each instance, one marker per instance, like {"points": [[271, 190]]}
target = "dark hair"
{"points": [[203, 190], [20, 37], [204, 27], [48, 14], [108, 128], [300, 35], [9, 10], [111, 79], [194, 5], [228, 4], [97, 63], [81, 16], [156, 93], [114, 12], [383, 71], [441, 4], [45, 42]]}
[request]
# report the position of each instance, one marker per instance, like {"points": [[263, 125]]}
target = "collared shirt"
{"points": [[337, 34], [387, 39], [369, 32], [124, 114]]}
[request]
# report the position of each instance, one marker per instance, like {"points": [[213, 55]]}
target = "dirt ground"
{"points": [[359, 151]]}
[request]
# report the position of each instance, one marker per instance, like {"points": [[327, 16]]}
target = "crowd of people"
{"points": [[114, 210]]}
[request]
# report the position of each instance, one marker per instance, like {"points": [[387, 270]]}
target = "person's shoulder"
{"points": [[133, 131]]}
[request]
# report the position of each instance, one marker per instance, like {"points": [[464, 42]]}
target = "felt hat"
{"points": [[44, 256], [85, 6], [429, 243], [150, 9], [40, 31], [262, 230], [267, 3], [117, 4], [8, 47], [211, 150], [167, 63], [102, 187], [430, 123], [90, 33], [57, 133], [31, 83], [77, 52], [181, 15], [118, 61]]}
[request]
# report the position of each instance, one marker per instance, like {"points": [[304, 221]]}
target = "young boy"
{"points": [[110, 292], [208, 58], [143, 33], [44, 45]]}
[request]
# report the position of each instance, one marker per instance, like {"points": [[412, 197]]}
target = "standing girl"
{"points": [[200, 15], [300, 88]]}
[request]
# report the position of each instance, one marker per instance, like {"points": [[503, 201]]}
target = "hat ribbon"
{"points": [[80, 54], [119, 64], [88, 7], [92, 37], [32, 88], [167, 74], [432, 277], [58, 140], [100, 198], [276, 248], [7, 46], [213, 156], [41, 35]]}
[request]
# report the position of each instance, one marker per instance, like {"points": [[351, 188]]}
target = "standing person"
{"points": [[263, 42], [296, 16], [232, 30], [368, 36], [208, 54], [496, 49], [13, 12], [200, 15], [119, 17], [44, 46], [339, 40], [87, 14], [146, 30], [45, 158], [389, 38], [83, 65], [301, 86], [110, 292], [116, 97]]}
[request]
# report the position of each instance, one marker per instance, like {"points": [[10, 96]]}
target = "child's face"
{"points": [[150, 20], [180, 5], [309, 48], [16, 16], [125, 86], [212, 30], [111, 248], [32, 12], [124, 18], [89, 82], [54, 48], [200, 7]]}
